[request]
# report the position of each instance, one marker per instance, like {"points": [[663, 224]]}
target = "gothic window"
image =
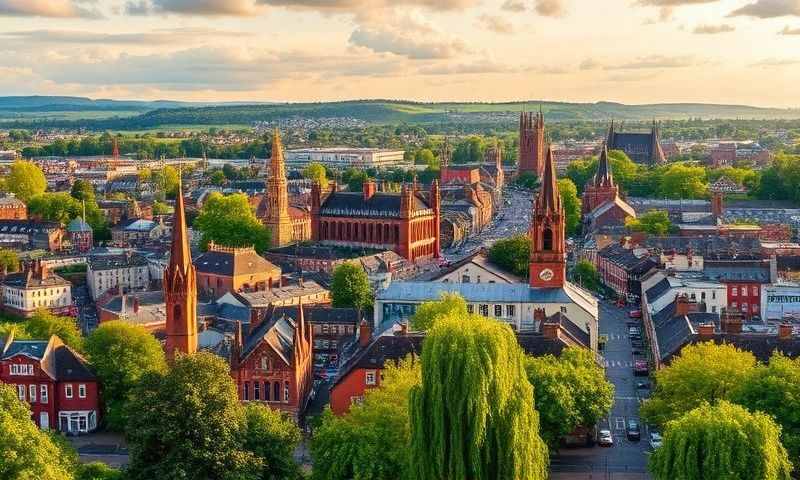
{"points": [[547, 239], [256, 390], [286, 392], [266, 391], [276, 391], [396, 233]]}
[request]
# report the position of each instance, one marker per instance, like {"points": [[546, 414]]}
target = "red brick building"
{"points": [[54, 380], [602, 205], [548, 262], [225, 269], [363, 370], [531, 143], [273, 363], [743, 280], [12, 208], [407, 223]]}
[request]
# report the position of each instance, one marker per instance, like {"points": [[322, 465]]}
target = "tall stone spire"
{"points": [[601, 188], [180, 288], [603, 176], [548, 232], [277, 218]]}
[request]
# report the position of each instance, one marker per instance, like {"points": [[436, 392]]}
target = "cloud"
{"points": [[769, 9], [367, 9], [516, 6], [550, 8], [169, 36], [589, 64], [713, 29], [496, 24], [410, 46], [789, 31], [653, 62], [776, 62], [672, 3], [193, 7], [48, 8]]}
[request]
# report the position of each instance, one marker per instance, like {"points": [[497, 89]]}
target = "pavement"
{"points": [[626, 459], [106, 447]]}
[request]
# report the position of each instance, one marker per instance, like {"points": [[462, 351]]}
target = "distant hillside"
{"points": [[83, 112]]}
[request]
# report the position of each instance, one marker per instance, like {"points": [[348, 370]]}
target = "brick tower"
{"points": [[601, 188], [531, 143], [277, 218], [180, 288], [548, 258]]}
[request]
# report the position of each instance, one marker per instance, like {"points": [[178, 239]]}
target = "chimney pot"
{"points": [[369, 189], [550, 330], [364, 334], [706, 331]]}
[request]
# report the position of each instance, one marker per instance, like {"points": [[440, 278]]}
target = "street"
{"points": [[626, 459]]}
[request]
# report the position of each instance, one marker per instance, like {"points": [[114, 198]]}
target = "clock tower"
{"points": [[548, 259]]}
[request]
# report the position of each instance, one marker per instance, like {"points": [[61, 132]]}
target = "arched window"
{"points": [[286, 392], [276, 392], [176, 315], [547, 239], [266, 392]]}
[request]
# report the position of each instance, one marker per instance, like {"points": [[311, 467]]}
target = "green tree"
{"points": [[316, 172], [473, 414], [704, 372], [350, 286], [723, 441], [272, 437], [229, 220], [55, 207], [188, 423], [424, 156], [571, 391], [166, 180], [429, 312], [572, 205], [512, 254], [25, 451], [371, 441], [683, 181], [161, 208], [43, 324], [9, 260], [217, 178], [775, 390], [527, 180], [654, 222], [82, 190], [122, 354], [97, 471], [355, 179], [585, 274], [25, 180]]}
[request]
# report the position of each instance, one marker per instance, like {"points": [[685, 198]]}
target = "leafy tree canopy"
{"points": [[43, 324], [723, 441], [527, 180], [9, 260], [272, 437], [572, 205], [316, 172], [512, 254], [229, 220], [654, 222], [25, 180], [585, 274], [429, 312], [350, 286]]}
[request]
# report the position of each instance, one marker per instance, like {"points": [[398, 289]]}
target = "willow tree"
{"points": [[473, 414], [723, 441]]}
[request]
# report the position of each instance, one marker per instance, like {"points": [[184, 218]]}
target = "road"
{"points": [[626, 459], [513, 219]]}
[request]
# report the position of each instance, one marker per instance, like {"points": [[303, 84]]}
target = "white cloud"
{"points": [[769, 9], [193, 7], [713, 29], [496, 24], [48, 8], [406, 44]]}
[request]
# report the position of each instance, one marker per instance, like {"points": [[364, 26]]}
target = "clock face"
{"points": [[546, 274]]}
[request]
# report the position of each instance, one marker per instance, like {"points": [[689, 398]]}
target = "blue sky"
{"points": [[633, 51]]}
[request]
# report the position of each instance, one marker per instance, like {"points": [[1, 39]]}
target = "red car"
{"points": [[635, 314], [640, 368]]}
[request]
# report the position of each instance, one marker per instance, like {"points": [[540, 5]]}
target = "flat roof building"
{"points": [[348, 157]]}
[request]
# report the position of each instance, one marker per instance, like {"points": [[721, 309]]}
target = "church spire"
{"points": [[603, 176], [548, 235], [180, 288], [548, 198], [277, 218], [277, 164]]}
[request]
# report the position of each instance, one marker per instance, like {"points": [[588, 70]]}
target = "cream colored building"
{"points": [[127, 272], [36, 288]]}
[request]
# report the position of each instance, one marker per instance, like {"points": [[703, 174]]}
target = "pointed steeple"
{"points": [[548, 198], [610, 137], [180, 255], [277, 164], [603, 176]]}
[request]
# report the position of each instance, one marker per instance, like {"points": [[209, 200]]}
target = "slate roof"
{"points": [[55, 358], [78, 225], [383, 348], [278, 333], [30, 348], [265, 298], [710, 246], [70, 365], [625, 258], [247, 262], [319, 314], [26, 279], [27, 227], [112, 262], [656, 291], [381, 204], [733, 271], [672, 334]]}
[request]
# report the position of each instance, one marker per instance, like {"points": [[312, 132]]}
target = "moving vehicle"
{"points": [[640, 368], [633, 431], [605, 439], [655, 440], [635, 314]]}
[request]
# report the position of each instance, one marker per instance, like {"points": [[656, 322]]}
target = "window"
{"points": [[735, 291], [713, 294], [335, 329], [370, 377], [563, 309], [484, 310], [68, 390], [702, 295], [325, 328], [745, 306], [357, 400], [256, 390], [246, 391], [510, 311], [82, 391], [276, 392], [734, 305], [43, 393], [21, 369], [32, 393], [470, 308], [498, 310], [547, 240], [465, 279], [714, 309], [266, 391], [755, 291], [694, 296], [286, 392], [21, 392], [264, 363]]}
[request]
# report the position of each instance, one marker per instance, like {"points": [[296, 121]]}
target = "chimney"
{"points": [[550, 330], [236, 347], [731, 323], [539, 315], [785, 331], [706, 331], [369, 188], [364, 334], [683, 306]]}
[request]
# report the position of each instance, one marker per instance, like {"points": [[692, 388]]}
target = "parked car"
{"points": [[633, 431], [655, 440], [605, 439], [635, 314], [640, 368]]}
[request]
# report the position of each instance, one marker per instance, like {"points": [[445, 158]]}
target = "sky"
{"points": [[630, 51]]}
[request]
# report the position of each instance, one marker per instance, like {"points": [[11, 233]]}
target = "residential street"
{"points": [[626, 459]]}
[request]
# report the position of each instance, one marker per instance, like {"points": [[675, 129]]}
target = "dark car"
{"points": [[633, 431]]}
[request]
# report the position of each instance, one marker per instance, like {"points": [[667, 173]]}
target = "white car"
{"points": [[655, 440], [605, 439]]}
